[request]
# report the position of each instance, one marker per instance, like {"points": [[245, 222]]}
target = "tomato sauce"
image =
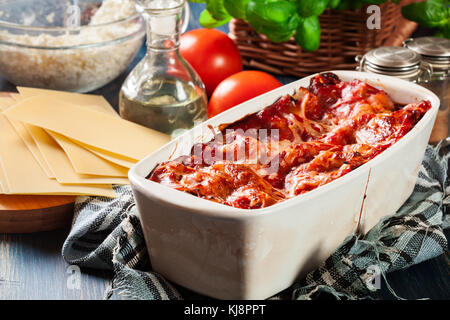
{"points": [[293, 146]]}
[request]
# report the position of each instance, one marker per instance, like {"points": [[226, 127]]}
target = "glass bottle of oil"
{"points": [[163, 92]]}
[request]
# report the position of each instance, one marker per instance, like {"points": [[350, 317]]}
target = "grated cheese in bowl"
{"points": [[81, 58]]}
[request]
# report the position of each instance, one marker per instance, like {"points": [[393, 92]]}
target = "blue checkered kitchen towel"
{"points": [[106, 234]]}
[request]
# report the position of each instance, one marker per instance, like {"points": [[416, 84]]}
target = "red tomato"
{"points": [[238, 88], [212, 54]]}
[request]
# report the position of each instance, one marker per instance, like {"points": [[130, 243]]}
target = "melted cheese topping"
{"points": [[311, 138]]}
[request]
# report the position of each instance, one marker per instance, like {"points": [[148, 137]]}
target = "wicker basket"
{"points": [[344, 36]]}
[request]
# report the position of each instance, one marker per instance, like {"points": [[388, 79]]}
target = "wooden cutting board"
{"points": [[34, 213], [30, 213]]}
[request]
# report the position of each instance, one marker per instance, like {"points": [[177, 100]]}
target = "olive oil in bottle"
{"points": [[167, 105], [163, 92]]}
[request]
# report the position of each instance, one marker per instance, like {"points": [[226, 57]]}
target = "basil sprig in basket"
{"points": [[279, 20], [300, 37]]}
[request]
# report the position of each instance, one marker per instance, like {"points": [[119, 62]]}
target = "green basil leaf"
{"points": [[445, 2], [276, 19], [429, 14], [207, 20], [443, 32], [197, 1], [236, 8], [217, 10], [343, 5], [307, 8], [333, 4], [308, 33]]}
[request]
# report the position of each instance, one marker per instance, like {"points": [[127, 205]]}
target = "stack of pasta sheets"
{"points": [[60, 143]]}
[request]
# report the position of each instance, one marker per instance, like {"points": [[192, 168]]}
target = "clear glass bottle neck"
{"points": [[163, 29]]}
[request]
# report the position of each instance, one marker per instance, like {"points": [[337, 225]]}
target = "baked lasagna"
{"points": [[300, 142]]}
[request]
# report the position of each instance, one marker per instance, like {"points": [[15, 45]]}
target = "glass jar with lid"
{"points": [[398, 62], [436, 52]]}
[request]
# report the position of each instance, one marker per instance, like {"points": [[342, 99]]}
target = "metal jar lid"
{"points": [[430, 46], [392, 58], [393, 61], [433, 50]]}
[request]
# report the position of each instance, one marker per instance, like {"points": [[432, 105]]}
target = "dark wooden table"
{"points": [[31, 266]]}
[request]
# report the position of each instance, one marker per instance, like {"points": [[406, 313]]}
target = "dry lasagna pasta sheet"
{"points": [[98, 102], [32, 147], [83, 160], [60, 164], [25, 176], [87, 126], [54, 142], [109, 156], [6, 102], [4, 188]]}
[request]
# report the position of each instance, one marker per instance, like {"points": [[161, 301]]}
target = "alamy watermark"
{"points": [[73, 15], [374, 20], [73, 278], [373, 278], [251, 146]]}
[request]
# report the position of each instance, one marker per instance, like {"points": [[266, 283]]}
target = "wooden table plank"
{"points": [[31, 267]]}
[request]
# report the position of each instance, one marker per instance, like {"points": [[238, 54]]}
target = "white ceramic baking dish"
{"points": [[231, 253]]}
